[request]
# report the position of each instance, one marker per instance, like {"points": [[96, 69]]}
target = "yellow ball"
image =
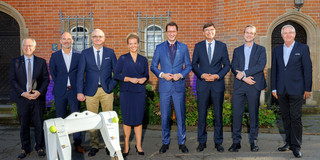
{"points": [[115, 119], [53, 129]]}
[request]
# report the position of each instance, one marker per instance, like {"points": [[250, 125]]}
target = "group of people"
{"points": [[92, 75]]}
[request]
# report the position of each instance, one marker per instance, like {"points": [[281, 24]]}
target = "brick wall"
{"points": [[117, 18]]}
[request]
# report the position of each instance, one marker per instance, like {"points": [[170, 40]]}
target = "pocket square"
{"points": [[297, 54], [107, 58]]}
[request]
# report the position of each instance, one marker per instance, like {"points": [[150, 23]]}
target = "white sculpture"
{"points": [[57, 130]]}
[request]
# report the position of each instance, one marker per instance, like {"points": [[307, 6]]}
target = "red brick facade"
{"points": [[117, 18]]}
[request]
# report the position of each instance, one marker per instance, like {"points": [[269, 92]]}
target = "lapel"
{"points": [[177, 53], [281, 55], [166, 51], [252, 54], [94, 58], [241, 57], [35, 66], [215, 52], [73, 59], [292, 52], [23, 69], [61, 59], [104, 55]]}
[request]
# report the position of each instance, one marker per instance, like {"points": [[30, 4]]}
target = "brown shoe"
{"points": [[80, 149]]}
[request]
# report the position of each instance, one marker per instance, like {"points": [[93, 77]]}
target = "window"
{"points": [[80, 27], [80, 36], [151, 33], [153, 37]]}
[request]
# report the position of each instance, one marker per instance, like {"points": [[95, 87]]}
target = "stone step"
{"points": [[310, 109], [6, 109], [7, 115]]}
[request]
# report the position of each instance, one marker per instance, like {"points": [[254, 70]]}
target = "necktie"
{"points": [[209, 52], [98, 59], [171, 47], [29, 75]]}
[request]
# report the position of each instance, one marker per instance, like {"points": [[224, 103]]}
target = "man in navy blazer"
{"points": [[29, 79], [210, 63], [172, 55], [291, 82], [94, 81], [247, 65], [63, 69]]}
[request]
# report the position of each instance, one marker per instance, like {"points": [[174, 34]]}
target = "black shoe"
{"points": [[201, 147], [235, 147], [140, 153], [297, 153], [107, 151], [23, 154], [286, 147], [93, 152], [164, 148], [219, 147], [183, 148], [126, 154], [41, 153], [254, 147]]}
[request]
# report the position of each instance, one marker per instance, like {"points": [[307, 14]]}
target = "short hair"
{"points": [[132, 36], [171, 24], [251, 26], [208, 24], [97, 30], [33, 40], [65, 33], [288, 25]]}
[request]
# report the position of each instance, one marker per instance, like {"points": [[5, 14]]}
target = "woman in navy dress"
{"points": [[132, 70]]}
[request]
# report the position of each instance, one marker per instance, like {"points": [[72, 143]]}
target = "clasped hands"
{"points": [[169, 76], [209, 77], [31, 95], [137, 80], [249, 80]]}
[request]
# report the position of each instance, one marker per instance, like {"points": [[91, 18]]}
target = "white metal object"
{"points": [[58, 142]]}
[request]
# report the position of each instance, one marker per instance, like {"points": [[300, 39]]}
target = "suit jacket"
{"points": [[126, 67], [257, 62], [296, 77], [60, 74], [88, 72], [18, 78], [220, 65], [161, 56]]}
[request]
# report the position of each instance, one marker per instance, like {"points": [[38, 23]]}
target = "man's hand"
{"points": [[142, 80], [167, 76], [306, 95], [35, 94], [81, 97], [214, 76], [275, 95], [249, 80], [239, 75], [177, 76], [207, 77], [27, 95]]}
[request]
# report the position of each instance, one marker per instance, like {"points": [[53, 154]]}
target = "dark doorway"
{"points": [[9, 48], [277, 40]]}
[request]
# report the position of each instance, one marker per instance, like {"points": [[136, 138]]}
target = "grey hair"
{"points": [[33, 40], [97, 30], [288, 25]]}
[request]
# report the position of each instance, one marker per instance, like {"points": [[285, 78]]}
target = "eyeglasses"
{"points": [[250, 33], [28, 46], [208, 30], [95, 37]]}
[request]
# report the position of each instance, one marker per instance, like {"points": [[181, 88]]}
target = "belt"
{"points": [[68, 87]]}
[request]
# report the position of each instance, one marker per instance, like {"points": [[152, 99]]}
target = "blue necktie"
{"points": [[209, 53], [98, 60]]}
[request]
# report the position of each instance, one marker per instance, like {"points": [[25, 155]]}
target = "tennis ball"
{"points": [[53, 129], [115, 119]]}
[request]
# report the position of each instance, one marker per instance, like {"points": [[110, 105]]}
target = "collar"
{"points": [[26, 58], [65, 53], [95, 50], [284, 45]]}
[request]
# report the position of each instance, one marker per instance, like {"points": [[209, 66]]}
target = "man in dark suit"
{"points": [[210, 63], [291, 82], [172, 55], [94, 81], [63, 69], [247, 65], [29, 80]]}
